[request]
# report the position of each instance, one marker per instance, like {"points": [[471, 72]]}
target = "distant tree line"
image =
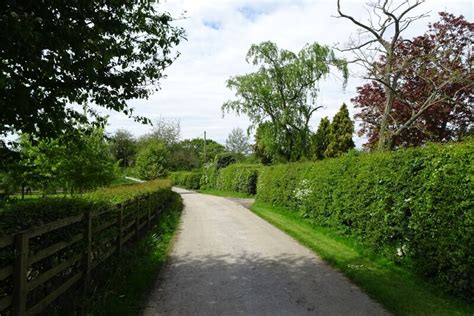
{"points": [[155, 154]]}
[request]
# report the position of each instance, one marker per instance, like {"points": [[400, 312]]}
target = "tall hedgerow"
{"points": [[238, 178], [186, 179], [415, 206]]}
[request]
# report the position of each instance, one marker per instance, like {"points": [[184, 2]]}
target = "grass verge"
{"points": [[226, 193], [125, 290], [121, 181], [396, 288]]}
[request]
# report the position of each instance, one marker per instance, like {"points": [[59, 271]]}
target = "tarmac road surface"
{"points": [[228, 261]]}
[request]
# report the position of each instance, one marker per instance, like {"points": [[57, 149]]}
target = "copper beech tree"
{"points": [[419, 89], [434, 95]]}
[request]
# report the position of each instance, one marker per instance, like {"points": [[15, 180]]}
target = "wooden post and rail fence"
{"points": [[19, 274]]}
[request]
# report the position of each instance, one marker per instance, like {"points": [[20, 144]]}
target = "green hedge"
{"points": [[209, 176], [186, 179], [238, 178], [22, 215], [415, 206]]}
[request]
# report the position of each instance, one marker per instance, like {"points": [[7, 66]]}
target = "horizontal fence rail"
{"points": [[100, 235]]}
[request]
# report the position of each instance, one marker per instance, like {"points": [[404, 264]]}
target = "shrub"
{"points": [[186, 179], [211, 170], [415, 205], [209, 176], [152, 161], [238, 178], [224, 159]]}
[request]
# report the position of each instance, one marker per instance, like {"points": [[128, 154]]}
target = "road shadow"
{"points": [[247, 203], [255, 284]]}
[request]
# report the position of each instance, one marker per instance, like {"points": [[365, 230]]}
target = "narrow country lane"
{"points": [[228, 261]]}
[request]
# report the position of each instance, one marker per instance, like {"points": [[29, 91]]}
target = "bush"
{"points": [[224, 159], [186, 179], [152, 161], [211, 170], [415, 206], [238, 178]]}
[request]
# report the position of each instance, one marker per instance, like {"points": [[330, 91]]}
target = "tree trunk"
{"points": [[385, 138]]}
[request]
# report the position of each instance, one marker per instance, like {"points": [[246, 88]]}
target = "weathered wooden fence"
{"points": [[72, 266]]}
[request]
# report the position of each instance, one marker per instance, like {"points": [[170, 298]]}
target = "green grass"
{"points": [[226, 193], [129, 171], [38, 195], [399, 290], [121, 181], [126, 288]]}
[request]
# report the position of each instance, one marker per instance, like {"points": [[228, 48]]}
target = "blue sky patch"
{"points": [[216, 25], [251, 13]]}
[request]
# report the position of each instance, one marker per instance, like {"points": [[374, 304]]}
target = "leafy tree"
{"points": [[123, 147], [185, 155], [340, 134], [166, 131], [189, 153], [7, 154], [321, 139], [224, 159], [269, 145], [438, 63], [283, 91], [57, 53], [152, 161], [40, 163], [5, 186], [14, 174], [87, 163], [75, 165], [213, 149], [421, 113], [237, 142]]}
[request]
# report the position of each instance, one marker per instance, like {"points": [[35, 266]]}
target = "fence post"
{"points": [[120, 224], [88, 259], [20, 291], [137, 233], [149, 211]]}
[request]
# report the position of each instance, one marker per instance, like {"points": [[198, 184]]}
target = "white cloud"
{"points": [[220, 33]]}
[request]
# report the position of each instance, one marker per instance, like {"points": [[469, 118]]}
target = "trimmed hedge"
{"points": [[22, 215], [414, 206], [238, 178], [186, 179]]}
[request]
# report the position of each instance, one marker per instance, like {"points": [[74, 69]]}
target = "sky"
{"points": [[219, 34]]}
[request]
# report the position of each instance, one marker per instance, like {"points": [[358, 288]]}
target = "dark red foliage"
{"points": [[423, 63]]}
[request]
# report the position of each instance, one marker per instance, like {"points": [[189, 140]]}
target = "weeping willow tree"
{"points": [[283, 92]]}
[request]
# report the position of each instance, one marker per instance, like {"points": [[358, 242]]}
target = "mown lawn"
{"points": [[399, 290]]}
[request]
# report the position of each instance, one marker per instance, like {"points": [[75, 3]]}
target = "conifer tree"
{"points": [[340, 133], [321, 139]]}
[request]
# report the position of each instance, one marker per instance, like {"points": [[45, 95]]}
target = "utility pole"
{"points": [[204, 147]]}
